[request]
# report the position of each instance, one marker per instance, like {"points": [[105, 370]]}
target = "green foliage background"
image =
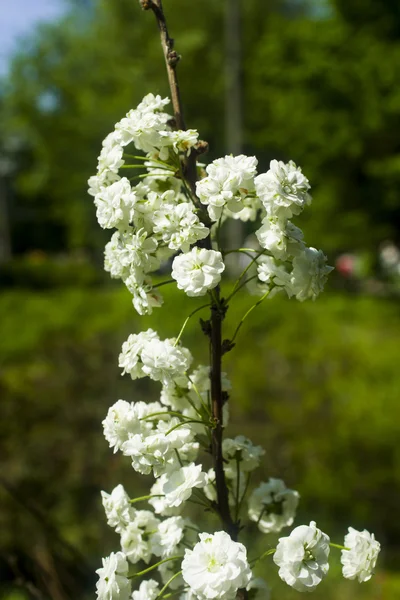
{"points": [[317, 384]]}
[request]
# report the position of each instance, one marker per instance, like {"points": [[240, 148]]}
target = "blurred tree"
{"points": [[325, 94]]}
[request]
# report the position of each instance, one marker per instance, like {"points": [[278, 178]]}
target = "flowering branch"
{"points": [[169, 214]]}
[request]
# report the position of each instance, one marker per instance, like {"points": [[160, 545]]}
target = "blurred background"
{"points": [[317, 384]]}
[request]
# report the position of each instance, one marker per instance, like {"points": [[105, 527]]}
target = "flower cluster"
{"points": [[216, 567], [158, 218], [154, 218], [289, 264]]}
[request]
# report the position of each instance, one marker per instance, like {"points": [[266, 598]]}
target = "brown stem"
{"points": [[171, 60], [217, 315]]}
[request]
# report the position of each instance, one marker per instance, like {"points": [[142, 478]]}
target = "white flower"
{"points": [[216, 567], [242, 449], [165, 541], [271, 272], [163, 361], [118, 509], [179, 484], [230, 180], [155, 449], [135, 537], [145, 130], [309, 274], [118, 423], [145, 297], [272, 506], [115, 204], [158, 500], [251, 206], [182, 141], [148, 590], [134, 544], [130, 357], [100, 181], [360, 558], [152, 103], [178, 225], [175, 396], [283, 190], [113, 583], [148, 452], [110, 158], [279, 237], [125, 419], [302, 557], [197, 271], [130, 255], [210, 488]]}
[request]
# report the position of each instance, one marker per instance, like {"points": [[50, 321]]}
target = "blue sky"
{"points": [[19, 17]]}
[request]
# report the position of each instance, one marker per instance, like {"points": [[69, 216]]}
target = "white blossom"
{"points": [[216, 567], [165, 541], [309, 274], [229, 180], [163, 360], [359, 558], [148, 453], [178, 225], [251, 207], [156, 449], [98, 182], [179, 484], [110, 158], [273, 506], [126, 419], [118, 423], [175, 396], [135, 538], [145, 125], [198, 271], [302, 557], [115, 204], [113, 583], [145, 297], [152, 103], [283, 190], [158, 499], [273, 273], [130, 255], [117, 507], [281, 238], [242, 449], [210, 489], [130, 357], [148, 590], [182, 141]]}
